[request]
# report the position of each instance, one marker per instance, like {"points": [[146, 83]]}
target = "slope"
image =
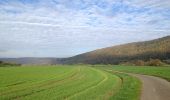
{"points": [[155, 49]]}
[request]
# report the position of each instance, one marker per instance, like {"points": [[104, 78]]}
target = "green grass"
{"points": [[163, 72], [74, 82], [57, 83], [130, 90]]}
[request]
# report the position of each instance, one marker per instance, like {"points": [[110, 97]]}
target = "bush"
{"points": [[154, 62], [151, 62]]}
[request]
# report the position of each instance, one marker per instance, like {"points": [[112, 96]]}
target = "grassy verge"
{"points": [[130, 88], [163, 72]]}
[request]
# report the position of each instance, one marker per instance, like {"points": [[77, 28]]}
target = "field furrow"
{"points": [[91, 87]]}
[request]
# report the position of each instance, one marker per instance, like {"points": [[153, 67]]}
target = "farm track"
{"points": [[154, 88]]}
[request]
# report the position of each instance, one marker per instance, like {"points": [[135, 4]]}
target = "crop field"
{"points": [[66, 82], [163, 72], [74, 82]]}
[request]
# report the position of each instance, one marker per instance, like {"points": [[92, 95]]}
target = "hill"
{"points": [[153, 49]]}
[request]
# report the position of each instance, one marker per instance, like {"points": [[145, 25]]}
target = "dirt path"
{"points": [[154, 88]]}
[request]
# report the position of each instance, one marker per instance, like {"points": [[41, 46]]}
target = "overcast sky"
{"points": [[64, 28]]}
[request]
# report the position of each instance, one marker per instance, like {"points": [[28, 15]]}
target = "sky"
{"points": [[64, 28]]}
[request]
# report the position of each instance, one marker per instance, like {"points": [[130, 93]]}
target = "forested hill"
{"points": [[155, 49]]}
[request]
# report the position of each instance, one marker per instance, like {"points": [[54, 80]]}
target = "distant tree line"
{"points": [[151, 62], [6, 64]]}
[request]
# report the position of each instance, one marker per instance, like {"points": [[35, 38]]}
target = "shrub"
{"points": [[151, 62], [154, 62]]}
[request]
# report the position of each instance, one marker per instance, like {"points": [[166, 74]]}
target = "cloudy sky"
{"points": [[63, 28]]}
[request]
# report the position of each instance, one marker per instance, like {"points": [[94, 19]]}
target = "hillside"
{"points": [[155, 49]]}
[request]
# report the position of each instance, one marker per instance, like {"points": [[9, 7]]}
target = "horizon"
{"points": [[60, 29]]}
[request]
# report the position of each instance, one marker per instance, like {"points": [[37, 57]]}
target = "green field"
{"points": [[66, 82], [163, 72], [74, 82]]}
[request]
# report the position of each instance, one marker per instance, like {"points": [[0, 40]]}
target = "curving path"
{"points": [[154, 88]]}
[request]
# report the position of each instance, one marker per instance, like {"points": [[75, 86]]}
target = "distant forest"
{"points": [[158, 49]]}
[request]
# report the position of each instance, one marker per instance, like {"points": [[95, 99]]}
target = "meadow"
{"points": [[65, 82], [74, 82]]}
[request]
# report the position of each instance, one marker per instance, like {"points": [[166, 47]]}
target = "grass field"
{"points": [[74, 82], [61, 82], [163, 72], [66, 82]]}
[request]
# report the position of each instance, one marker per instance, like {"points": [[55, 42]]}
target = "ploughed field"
{"points": [[66, 82]]}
